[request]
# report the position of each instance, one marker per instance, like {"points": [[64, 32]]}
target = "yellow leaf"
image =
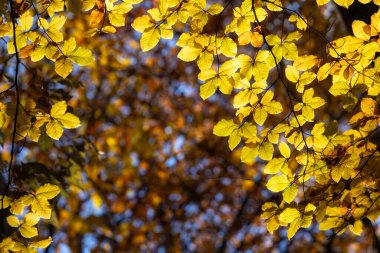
{"points": [[54, 129], [331, 222], [28, 231], [272, 225], [275, 5], [41, 207], [322, 2], [361, 30], [96, 17], [289, 215], [6, 244], [58, 109], [344, 3], [369, 106], [41, 244], [205, 60], [292, 74], [63, 66], [117, 13], [313, 102], [278, 183], [142, 23], [13, 221], [215, 9], [249, 154], [356, 228], [5, 203], [244, 38], [17, 206], [81, 56], [47, 191], [208, 88], [228, 47], [290, 193], [69, 120], [300, 23], [189, 53], [229, 67], [224, 127], [108, 29], [242, 98], [275, 165], [284, 150], [293, 228], [306, 62], [266, 150], [149, 39], [260, 116], [27, 228], [257, 39]]}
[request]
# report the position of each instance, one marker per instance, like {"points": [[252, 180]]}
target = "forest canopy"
{"points": [[189, 125]]}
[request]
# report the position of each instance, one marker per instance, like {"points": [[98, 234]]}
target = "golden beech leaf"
{"points": [[356, 228], [300, 22], [276, 165], [249, 154], [266, 150], [290, 193], [28, 231], [58, 109], [289, 215], [306, 62], [244, 38], [361, 30], [278, 183], [224, 127], [17, 206], [284, 150], [369, 106], [257, 39], [322, 2], [41, 207], [13, 221], [63, 66], [6, 244], [189, 53], [47, 191], [27, 228], [331, 223], [69, 120], [54, 129], [293, 228], [344, 3], [109, 29], [272, 225], [6, 202], [60, 119], [42, 244], [81, 56], [96, 17], [228, 47], [149, 39]]}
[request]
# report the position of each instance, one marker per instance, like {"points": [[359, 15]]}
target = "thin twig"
{"points": [[15, 116]]}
